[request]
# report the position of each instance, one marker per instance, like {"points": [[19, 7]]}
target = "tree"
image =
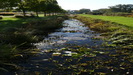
{"points": [[122, 8], [2, 4], [7, 4], [33, 5], [22, 6], [57, 9], [47, 6], [50, 6], [84, 11], [43, 5]]}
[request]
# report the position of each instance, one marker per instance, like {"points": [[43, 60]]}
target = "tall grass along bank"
{"points": [[116, 33], [17, 38]]}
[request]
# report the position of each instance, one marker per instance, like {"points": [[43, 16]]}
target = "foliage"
{"points": [[84, 11], [7, 4], [117, 10], [122, 8], [7, 51], [0, 17], [100, 11], [81, 11], [49, 6], [17, 40]]}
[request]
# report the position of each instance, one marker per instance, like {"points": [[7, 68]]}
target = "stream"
{"points": [[73, 33], [73, 50]]}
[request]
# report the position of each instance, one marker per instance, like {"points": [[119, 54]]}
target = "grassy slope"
{"points": [[10, 21], [127, 21], [116, 33]]}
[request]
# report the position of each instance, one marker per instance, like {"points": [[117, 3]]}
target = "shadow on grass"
{"points": [[18, 23]]}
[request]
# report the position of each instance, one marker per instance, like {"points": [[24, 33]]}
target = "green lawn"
{"points": [[127, 21], [11, 21]]}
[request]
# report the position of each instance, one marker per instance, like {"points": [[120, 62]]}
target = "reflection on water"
{"points": [[73, 32]]}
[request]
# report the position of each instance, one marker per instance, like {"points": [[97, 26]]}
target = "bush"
{"points": [[21, 40], [7, 13], [19, 16], [30, 15], [7, 51], [22, 16], [1, 17], [10, 29], [119, 14], [116, 33]]}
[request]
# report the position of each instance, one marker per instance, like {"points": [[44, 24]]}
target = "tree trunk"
{"points": [[37, 13], [49, 14], [23, 10], [24, 14], [55, 14], [52, 14], [45, 14]]}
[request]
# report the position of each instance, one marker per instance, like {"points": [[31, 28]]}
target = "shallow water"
{"points": [[73, 33], [73, 49]]}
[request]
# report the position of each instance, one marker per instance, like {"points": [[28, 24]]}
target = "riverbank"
{"points": [[12, 22], [17, 36], [118, 34], [74, 49], [125, 21]]}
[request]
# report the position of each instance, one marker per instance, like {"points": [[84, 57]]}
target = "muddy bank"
{"points": [[17, 43], [116, 33]]}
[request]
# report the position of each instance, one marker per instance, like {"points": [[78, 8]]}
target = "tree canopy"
{"points": [[49, 6], [80, 11], [122, 8]]}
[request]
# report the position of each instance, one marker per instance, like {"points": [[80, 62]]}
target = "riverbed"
{"points": [[74, 49]]}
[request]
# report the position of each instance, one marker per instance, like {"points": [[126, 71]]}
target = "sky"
{"points": [[90, 4]]}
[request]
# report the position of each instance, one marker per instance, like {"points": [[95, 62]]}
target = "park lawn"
{"points": [[126, 21], [11, 21]]}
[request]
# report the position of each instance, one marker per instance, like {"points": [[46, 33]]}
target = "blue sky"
{"points": [[90, 4]]}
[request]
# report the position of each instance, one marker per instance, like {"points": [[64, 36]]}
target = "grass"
{"points": [[126, 21], [18, 34], [11, 21], [114, 32], [25, 29]]}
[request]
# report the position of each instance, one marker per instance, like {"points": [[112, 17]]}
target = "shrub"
{"points": [[7, 13], [19, 16], [7, 51], [119, 35], [1, 17], [22, 16], [10, 29], [30, 15], [20, 40]]}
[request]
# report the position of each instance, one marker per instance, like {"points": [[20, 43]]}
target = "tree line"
{"points": [[81, 11], [45, 6], [120, 8]]}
